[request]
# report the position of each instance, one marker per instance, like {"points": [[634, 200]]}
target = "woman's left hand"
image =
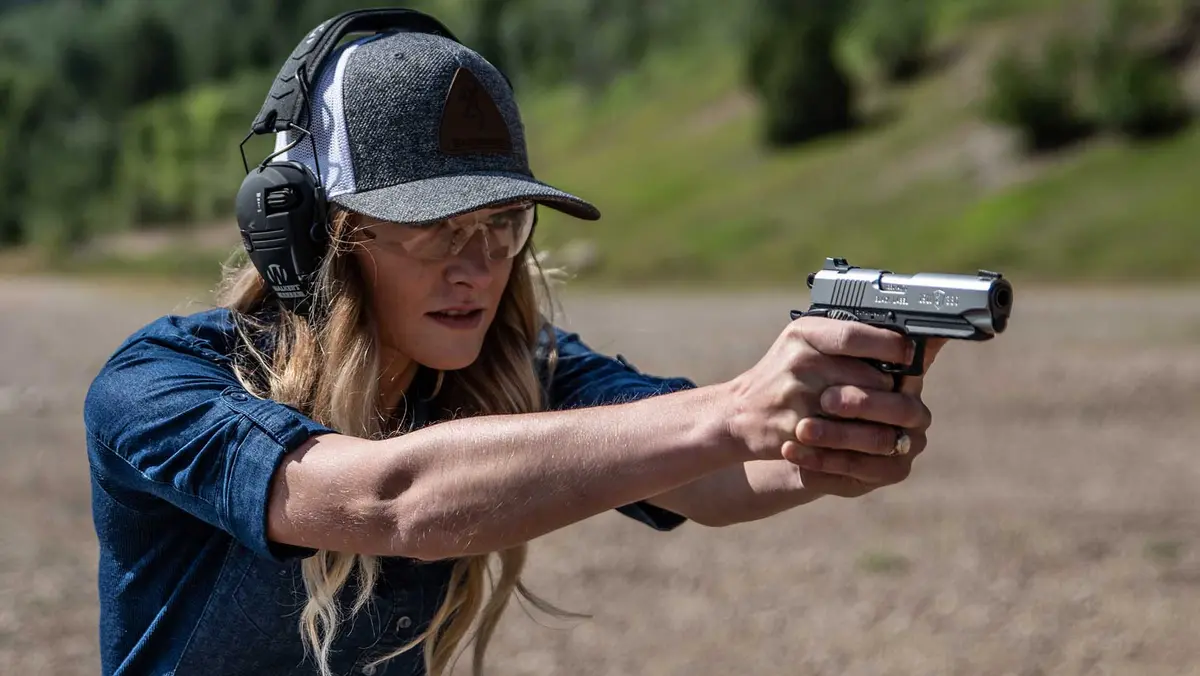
{"points": [[862, 449]]}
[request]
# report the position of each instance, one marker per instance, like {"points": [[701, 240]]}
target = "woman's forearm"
{"points": [[482, 484], [740, 493]]}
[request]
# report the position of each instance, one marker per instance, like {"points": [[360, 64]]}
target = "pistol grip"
{"points": [[898, 371]]}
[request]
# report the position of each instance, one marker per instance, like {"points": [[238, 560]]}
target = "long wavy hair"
{"points": [[327, 365]]}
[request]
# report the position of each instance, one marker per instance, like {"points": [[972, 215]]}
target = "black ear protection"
{"points": [[281, 209]]}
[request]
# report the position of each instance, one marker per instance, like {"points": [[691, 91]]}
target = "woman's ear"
{"points": [[359, 229]]}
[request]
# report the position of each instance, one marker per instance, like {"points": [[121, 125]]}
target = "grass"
{"points": [[689, 195], [671, 156], [1165, 551], [884, 563], [174, 265]]}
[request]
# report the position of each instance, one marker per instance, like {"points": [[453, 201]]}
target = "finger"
{"points": [[889, 408], [855, 339], [914, 385], [852, 371], [870, 470], [832, 484], [850, 436], [808, 455]]}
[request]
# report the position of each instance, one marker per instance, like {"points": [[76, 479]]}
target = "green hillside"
{"points": [[688, 194], [671, 151]]}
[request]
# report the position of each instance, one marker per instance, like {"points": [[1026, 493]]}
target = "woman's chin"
{"points": [[441, 347], [450, 357]]}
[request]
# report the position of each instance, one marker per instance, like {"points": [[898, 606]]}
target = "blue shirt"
{"points": [[181, 462]]}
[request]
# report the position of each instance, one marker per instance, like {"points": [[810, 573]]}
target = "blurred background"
{"points": [[732, 146], [724, 141]]}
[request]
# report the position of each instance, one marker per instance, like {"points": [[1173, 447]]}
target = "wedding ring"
{"points": [[903, 443]]}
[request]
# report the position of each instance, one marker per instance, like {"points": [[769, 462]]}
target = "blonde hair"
{"points": [[327, 366]]}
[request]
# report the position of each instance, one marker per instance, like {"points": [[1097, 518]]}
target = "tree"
{"points": [[794, 69]]}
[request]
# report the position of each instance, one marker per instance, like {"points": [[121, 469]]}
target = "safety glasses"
{"points": [[505, 231]]}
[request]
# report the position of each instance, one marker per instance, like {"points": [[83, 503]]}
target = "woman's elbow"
{"points": [[417, 529], [695, 509], [721, 517], [713, 519]]}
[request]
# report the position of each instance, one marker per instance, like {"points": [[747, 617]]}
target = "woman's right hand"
{"points": [[811, 355]]}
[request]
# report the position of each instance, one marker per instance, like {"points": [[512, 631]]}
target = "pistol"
{"points": [[921, 306]]}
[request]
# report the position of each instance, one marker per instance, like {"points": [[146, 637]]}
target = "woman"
{"points": [[277, 492]]}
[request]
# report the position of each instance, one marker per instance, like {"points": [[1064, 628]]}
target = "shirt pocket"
{"points": [[416, 591], [270, 597]]}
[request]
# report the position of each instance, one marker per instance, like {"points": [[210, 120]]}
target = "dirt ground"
{"points": [[1052, 527]]}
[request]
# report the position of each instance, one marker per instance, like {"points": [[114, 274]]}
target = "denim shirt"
{"points": [[181, 462]]}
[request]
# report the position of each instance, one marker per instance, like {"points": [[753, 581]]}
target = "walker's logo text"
{"points": [[276, 274], [289, 291]]}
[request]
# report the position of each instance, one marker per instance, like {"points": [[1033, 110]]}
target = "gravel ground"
{"points": [[1052, 527]]}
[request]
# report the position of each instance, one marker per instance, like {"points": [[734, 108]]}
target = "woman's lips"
{"points": [[458, 318]]}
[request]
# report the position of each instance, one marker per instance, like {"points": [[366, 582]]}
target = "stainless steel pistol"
{"points": [[921, 306]]}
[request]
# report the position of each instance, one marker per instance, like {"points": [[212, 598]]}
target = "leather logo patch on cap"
{"points": [[471, 122]]}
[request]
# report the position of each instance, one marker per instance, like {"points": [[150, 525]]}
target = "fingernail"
{"points": [[809, 431], [830, 401]]}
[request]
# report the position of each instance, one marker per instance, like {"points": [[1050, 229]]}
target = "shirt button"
{"points": [[404, 622], [239, 396]]}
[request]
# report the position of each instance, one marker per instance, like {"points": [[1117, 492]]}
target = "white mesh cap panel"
{"points": [[335, 165]]}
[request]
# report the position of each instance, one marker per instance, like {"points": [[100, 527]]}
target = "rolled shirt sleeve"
{"points": [[168, 418]]}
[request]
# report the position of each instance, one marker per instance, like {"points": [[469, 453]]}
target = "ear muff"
{"points": [[281, 206], [283, 219]]}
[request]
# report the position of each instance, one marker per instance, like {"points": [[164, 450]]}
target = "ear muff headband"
{"points": [[285, 103]]}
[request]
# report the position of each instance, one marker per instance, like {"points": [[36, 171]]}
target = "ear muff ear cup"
{"points": [[282, 216]]}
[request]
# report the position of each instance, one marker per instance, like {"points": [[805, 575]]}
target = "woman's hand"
{"points": [[853, 446], [768, 402]]}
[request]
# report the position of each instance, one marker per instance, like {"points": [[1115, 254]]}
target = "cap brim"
{"points": [[432, 199]]}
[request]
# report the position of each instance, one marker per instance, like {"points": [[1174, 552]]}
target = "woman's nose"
{"points": [[471, 264]]}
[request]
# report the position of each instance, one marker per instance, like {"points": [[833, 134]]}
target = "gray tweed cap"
{"points": [[411, 127]]}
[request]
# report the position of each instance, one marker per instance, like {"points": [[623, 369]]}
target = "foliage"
{"points": [[1136, 92], [132, 107], [1037, 96], [119, 114], [896, 35], [794, 68], [1140, 96], [1110, 78]]}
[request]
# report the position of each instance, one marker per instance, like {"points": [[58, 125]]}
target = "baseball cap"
{"points": [[414, 127]]}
